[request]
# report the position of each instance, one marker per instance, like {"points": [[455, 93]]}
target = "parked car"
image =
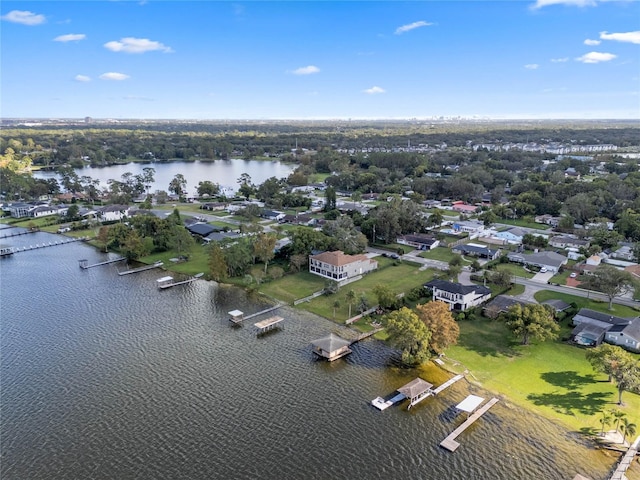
{"points": [[543, 270], [573, 275]]}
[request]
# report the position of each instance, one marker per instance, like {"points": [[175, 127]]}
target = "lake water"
{"points": [[223, 172], [107, 377]]}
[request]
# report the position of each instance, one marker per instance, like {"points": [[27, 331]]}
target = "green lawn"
{"points": [[514, 269], [551, 378], [293, 287], [443, 254], [398, 277], [581, 302], [524, 222], [197, 263]]}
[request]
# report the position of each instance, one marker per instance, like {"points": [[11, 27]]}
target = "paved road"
{"points": [[532, 286]]}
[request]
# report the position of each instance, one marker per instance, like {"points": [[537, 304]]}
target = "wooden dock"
{"points": [[450, 442], [141, 269], [625, 461], [268, 324], [17, 234], [84, 263], [167, 282], [270, 309], [447, 384]]}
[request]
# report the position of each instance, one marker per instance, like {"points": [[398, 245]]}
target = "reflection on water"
{"points": [[105, 376]]}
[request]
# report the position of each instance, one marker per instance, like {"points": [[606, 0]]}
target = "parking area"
{"points": [[543, 277]]}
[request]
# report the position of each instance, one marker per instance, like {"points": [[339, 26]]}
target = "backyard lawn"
{"points": [[552, 378], [439, 253], [581, 302], [514, 269]]}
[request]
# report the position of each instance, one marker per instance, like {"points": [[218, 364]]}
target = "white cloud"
{"points": [[411, 26], [114, 76], [308, 70], [70, 37], [82, 78], [576, 3], [532, 66], [374, 90], [24, 17], [591, 42], [136, 45], [560, 60], [630, 37], [596, 57]]}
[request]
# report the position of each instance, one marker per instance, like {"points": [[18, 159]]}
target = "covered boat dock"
{"points": [[331, 347], [416, 391], [268, 324]]}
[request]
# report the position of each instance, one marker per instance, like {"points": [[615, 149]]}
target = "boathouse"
{"points": [[268, 324], [236, 316], [164, 282], [331, 347], [416, 390]]}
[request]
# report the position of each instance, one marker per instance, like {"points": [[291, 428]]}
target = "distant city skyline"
{"points": [[305, 60]]}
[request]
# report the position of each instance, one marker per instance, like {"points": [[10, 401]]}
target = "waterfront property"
{"points": [[592, 328], [416, 391], [339, 266], [459, 297], [331, 347], [468, 405], [268, 324]]}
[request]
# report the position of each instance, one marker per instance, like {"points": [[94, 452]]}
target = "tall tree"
{"points": [[386, 297], [439, 320], [408, 333], [178, 184], [532, 321], [350, 297], [263, 248], [619, 365], [610, 281], [217, 264]]}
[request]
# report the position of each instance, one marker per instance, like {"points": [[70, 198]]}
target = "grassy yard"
{"points": [[581, 302], [293, 287], [524, 222], [399, 278], [198, 261], [551, 378], [439, 253], [514, 269]]}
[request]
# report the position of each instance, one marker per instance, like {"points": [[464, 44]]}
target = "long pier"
{"points": [[270, 309], [626, 461], [141, 269], [450, 442], [12, 250], [447, 384], [167, 282], [17, 234], [84, 266]]}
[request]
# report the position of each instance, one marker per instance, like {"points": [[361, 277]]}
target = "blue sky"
{"points": [[320, 60]]}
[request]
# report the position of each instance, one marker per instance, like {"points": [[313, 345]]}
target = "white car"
{"points": [[543, 270], [573, 275]]}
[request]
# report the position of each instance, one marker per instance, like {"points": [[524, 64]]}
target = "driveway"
{"points": [[543, 277]]}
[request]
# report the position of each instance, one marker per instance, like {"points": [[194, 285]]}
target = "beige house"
{"points": [[339, 266]]}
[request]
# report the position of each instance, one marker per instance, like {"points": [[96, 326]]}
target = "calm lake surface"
{"points": [[107, 377], [224, 172]]}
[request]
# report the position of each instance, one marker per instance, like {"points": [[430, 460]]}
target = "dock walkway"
{"points": [[84, 264], [625, 462], [268, 324], [163, 282], [141, 269], [270, 309], [12, 250], [450, 442], [17, 234]]}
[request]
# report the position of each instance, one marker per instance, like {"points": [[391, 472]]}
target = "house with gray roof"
{"points": [[501, 304], [552, 261], [479, 251], [419, 241], [592, 328], [459, 297], [512, 235]]}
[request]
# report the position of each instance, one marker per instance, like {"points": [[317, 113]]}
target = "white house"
{"points": [[468, 226], [339, 266], [459, 297], [419, 241], [113, 213]]}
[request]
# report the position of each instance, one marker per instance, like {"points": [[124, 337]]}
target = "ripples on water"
{"points": [[106, 377]]}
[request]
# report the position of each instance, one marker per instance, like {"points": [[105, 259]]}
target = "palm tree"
{"points": [[605, 421], [627, 428], [336, 304], [618, 415], [350, 297]]}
